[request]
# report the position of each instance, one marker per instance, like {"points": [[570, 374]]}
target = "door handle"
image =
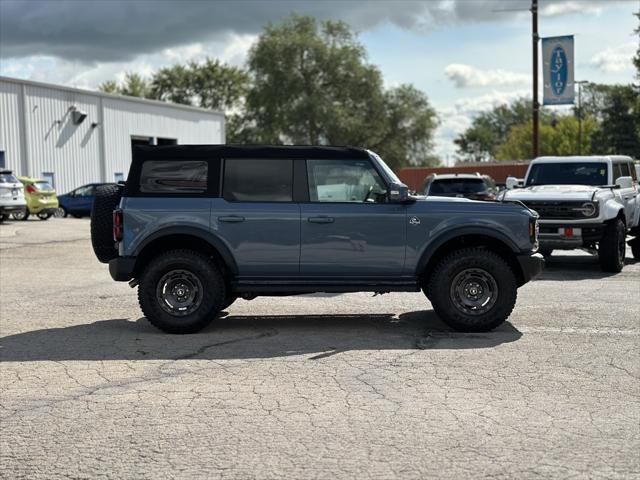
{"points": [[320, 219], [231, 219]]}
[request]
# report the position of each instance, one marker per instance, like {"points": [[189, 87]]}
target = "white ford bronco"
{"points": [[583, 202]]}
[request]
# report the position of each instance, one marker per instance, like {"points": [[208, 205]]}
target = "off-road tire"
{"points": [[458, 261], [197, 264], [106, 200], [611, 251], [635, 248]]}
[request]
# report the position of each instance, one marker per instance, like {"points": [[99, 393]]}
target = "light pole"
{"points": [[580, 83], [536, 105]]}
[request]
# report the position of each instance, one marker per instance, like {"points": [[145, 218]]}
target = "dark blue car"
{"points": [[78, 202]]}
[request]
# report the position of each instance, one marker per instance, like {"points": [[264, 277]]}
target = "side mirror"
{"points": [[624, 182], [512, 182], [398, 193]]}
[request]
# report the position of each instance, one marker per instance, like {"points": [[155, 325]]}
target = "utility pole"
{"points": [[536, 105], [580, 83]]}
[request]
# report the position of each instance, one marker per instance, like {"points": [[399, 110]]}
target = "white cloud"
{"points": [[615, 59], [568, 7], [457, 118], [467, 76]]}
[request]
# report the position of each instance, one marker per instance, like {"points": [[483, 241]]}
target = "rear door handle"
{"points": [[320, 219], [231, 219]]}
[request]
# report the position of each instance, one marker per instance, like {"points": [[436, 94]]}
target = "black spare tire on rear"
{"points": [[106, 200]]}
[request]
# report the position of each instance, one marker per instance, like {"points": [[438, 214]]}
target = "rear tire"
{"points": [[60, 213], [181, 291], [473, 290], [21, 215], [106, 201], [612, 249]]}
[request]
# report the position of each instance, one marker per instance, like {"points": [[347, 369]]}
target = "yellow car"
{"points": [[41, 199]]}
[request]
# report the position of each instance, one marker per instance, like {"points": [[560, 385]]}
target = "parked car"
{"points": [[584, 202], [40, 197], [11, 195], [461, 185], [196, 227], [78, 202]]}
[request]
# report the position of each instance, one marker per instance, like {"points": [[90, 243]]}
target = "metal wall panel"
{"points": [[124, 119], [46, 139], [10, 142], [55, 143]]}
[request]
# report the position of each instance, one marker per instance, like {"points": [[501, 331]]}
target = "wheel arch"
{"points": [[461, 238], [185, 237]]}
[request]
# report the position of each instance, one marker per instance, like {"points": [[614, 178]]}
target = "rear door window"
{"points": [[258, 180], [173, 177]]}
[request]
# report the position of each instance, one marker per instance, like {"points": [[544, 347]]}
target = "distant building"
{"points": [[71, 137]]}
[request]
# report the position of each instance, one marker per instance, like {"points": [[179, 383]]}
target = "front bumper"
{"points": [[531, 265], [569, 235], [121, 268]]}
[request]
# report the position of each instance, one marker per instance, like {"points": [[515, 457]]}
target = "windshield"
{"points": [[456, 185], [42, 186], [392, 176], [7, 178], [573, 173]]}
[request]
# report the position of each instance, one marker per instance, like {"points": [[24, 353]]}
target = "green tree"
{"points": [[133, 85], [618, 111], [312, 85], [559, 137], [489, 130]]}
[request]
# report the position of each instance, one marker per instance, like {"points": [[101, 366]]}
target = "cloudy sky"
{"points": [[467, 55]]}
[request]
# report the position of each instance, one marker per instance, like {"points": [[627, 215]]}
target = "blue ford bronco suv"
{"points": [[197, 226]]}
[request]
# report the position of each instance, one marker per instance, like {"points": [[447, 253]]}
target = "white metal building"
{"points": [[72, 137]]}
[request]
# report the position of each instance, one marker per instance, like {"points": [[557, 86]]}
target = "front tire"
{"points": [[612, 249], [60, 213], [181, 291], [473, 290]]}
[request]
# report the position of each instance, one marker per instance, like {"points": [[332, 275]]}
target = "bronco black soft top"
{"points": [[216, 152]]}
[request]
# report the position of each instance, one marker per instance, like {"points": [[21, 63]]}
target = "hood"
{"points": [[552, 192]]}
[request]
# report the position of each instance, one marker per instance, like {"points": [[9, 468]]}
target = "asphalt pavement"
{"points": [[321, 386]]}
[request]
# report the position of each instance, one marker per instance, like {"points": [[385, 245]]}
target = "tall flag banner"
{"points": [[557, 70]]}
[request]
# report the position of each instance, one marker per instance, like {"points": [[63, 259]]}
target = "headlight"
{"points": [[588, 209], [534, 229]]}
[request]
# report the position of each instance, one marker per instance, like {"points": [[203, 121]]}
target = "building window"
{"points": [[2, 161], [118, 177], [49, 177], [166, 141]]}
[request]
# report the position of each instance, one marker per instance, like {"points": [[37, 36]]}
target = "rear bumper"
{"points": [[6, 209], [531, 265], [121, 268]]}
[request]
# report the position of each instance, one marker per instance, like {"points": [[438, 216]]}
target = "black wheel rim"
{"points": [[179, 292], [474, 291]]}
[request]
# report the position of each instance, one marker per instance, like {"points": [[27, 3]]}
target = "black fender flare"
{"points": [[448, 235], [200, 233]]}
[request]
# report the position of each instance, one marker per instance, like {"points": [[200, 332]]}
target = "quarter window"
{"points": [[173, 177], [345, 181], [264, 180]]}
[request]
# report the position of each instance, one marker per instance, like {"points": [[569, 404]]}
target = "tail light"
{"points": [[117, 225], [31, 189]]}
